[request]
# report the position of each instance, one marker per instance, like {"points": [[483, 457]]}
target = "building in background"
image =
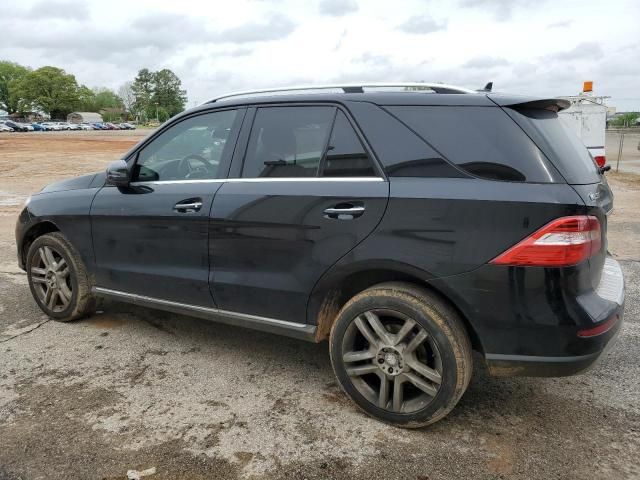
{"points": [[84, 117]]}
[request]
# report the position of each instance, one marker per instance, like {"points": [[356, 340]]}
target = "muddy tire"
{"points": [[58, 278], [401, 353]]}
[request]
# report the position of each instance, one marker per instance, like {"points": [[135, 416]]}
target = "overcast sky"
{"points": [[523, 46]]}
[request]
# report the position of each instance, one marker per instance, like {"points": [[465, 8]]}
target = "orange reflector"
{"points": [[588, 86], [604, 327]]}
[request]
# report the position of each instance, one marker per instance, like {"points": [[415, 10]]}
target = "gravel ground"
{"points": [[132, 388]]}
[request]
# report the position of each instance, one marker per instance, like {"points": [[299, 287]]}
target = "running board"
{"points": [[281, 327]]}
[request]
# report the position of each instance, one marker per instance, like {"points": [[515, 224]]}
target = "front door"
{"points": [[151, 238], [307, 193]]}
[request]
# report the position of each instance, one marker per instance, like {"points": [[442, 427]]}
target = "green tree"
{"points": [[51, 90], [168, 92], [10, 75], [626, 120], [157, 94], [87, 99], [96, 99], [142, 88], [106, 98]]}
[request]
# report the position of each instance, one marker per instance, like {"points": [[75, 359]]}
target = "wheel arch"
{"points": [[34, 231], [333, 291]]}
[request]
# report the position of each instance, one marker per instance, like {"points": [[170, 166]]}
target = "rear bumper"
{"points": [[538, 366], [605, 310], [531, 321]]}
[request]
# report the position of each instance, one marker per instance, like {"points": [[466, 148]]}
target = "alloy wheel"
{"points": [[392, 361], [51, 279]]}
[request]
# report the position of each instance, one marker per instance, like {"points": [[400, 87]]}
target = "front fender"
{"points": [[65, 211]]}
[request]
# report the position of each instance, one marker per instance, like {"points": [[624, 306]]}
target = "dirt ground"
{"points": [[133, 388]]}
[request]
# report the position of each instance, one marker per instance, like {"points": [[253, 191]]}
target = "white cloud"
{"points": [[337, 8], [422, 24]]}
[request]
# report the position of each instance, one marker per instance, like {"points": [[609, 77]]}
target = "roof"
{"points": [[86, 116], [412, 94]]}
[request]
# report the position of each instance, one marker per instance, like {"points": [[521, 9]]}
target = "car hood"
{"points": [[76, 183]]}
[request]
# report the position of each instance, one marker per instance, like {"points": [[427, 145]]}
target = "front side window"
{"points": [[190, 150], [287, 142]]}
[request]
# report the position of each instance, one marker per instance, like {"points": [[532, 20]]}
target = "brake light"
{"points": [[600, 160], [563, 242]]}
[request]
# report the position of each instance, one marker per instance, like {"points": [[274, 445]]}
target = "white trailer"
{"points": [[587, 116]]}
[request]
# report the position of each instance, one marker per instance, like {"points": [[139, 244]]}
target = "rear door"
{"points": [[305, 191], [151, 238]]}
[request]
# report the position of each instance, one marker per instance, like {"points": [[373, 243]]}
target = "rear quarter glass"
{"points": [[559, 143], [482, 141]]}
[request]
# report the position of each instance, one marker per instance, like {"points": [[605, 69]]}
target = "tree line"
{"points": [[53, 91]]}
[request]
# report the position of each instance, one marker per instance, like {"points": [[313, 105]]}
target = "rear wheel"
{"points": [[58, 279], [401, 353]]}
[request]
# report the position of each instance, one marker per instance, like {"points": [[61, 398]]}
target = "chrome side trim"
{"points": [[167, 182], [306, 179], [259, 180], [293, 329]]}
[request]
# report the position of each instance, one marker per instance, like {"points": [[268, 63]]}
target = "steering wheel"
{"points": [[187, 170]]}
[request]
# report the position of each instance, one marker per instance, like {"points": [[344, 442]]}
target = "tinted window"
{"points": [[401, 151], [484, 141], [191, 149], [287, 141], [559, 143], [346, 156]]}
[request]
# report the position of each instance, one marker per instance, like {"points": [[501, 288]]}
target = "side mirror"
{"points": [[118, 174]]}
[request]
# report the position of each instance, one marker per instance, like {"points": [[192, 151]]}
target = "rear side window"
{"points": [[559, 143], [401, 151], [346, 156], [287, 141], [483, 141]]}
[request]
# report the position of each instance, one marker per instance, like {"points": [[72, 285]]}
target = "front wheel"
{"points": [[58, 279], [401, 354]]}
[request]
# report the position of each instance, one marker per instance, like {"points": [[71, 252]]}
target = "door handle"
{"points": [[344, 213], [188, 206]]}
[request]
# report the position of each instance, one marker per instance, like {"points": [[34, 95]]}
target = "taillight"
{"points": [[600, 160], [563, 242]]}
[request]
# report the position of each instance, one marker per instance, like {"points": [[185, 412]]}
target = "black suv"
{"points": [[406, 227]]}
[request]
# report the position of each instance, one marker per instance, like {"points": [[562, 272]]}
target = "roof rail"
{"points": [[350, 88]]}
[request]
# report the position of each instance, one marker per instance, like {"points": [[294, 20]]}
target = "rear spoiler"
{"points": [[551, 104]]}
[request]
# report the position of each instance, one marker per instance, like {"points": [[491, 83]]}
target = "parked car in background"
{"points": [[407, 228], [19, 127], [52, 126], [86, 126], [5, 128], [97, 126], [127, 126], [38, 127], [112, 126]]}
